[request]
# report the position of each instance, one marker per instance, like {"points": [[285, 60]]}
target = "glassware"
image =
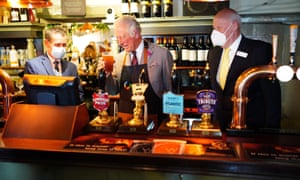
{"points": [[19, 84]]}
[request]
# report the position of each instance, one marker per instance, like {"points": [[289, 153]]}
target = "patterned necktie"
{"points": [[134, 60], [56, 63], [224, 67]]}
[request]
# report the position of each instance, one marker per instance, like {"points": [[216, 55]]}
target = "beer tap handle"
{"points": [[293, 38], [274, 47], [141, 76]]}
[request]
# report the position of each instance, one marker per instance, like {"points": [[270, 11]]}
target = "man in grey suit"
{"points": [[264, 95], [153, 66], [51, 63]]}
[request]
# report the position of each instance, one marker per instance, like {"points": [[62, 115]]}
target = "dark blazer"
{"points": [[42, 65], [264, 96]]}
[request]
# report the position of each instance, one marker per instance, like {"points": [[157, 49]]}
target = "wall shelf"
{"points": [[21, 30]]}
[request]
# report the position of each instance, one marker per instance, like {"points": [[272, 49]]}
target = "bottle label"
{"points": [[174, 54], [201, 54], [185, 54], [134, 7], [206, 100], [125, 8], [193, 55]]}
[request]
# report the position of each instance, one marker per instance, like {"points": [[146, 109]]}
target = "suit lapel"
{"points": [[47, 65]]}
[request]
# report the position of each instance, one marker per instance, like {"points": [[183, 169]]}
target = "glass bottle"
{"points": [[125, 7], [156, 8], [13, 57], [134, 8], [175, 78], [201, 51], [23, 14], [167, 8], [14, 15], [145, 8], [192, 52], [185, 52], [173, 48]]}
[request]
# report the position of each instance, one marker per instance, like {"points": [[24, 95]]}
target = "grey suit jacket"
{"points": [[159, 66], [42, 65]]}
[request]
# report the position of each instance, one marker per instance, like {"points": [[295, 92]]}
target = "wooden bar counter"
{"points": [[251, 156]]}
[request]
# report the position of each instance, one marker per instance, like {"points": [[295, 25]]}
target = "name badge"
{"points": [[242, 54]]}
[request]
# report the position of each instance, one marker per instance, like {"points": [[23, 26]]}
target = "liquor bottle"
{"points": [[156, 8], [31, 15], [101, 79], [23, 14], [173, 48], [185, 52], [165, 42], [134, 8], [206, 77], [192, 52], [145, 8], [125, 7], [175, 80], [167, 8], [201, 52], [159, 41], [13, 57], [208, 45], [14, 15]]}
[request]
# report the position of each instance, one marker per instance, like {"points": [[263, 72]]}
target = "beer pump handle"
{"points": [[293, 38], [274, 48]]}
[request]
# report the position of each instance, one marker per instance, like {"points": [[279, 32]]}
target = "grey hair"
{"points": [[130, 22]]}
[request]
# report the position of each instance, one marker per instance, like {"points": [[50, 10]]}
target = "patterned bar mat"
{"points": [[272, 152], [205, 148]]}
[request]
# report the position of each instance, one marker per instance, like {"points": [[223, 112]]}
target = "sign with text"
{"points": [[172, 103], [206, 100]]}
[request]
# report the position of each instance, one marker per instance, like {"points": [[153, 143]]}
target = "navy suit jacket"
{"points": [[42, 65], [264, 95]]}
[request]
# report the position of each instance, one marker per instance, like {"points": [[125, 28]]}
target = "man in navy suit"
{"points": [[153, 66], [52, 63], [264, 95]]}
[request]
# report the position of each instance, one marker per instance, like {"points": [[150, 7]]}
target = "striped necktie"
{"points": [[224, 67]]}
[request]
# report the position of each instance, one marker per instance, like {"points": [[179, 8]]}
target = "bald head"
{"points": [[228, 21]]}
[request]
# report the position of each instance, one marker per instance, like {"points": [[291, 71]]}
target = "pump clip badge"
{"points": [[100, 101], [206, 101]]}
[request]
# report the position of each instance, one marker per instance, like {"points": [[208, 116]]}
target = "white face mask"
{"points": [[218, 38], [58, 52]]}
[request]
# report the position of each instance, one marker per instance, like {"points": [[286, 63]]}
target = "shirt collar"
{"points": [[234, 46]]}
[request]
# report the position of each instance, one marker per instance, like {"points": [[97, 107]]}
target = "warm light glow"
{"points": [[298, 73], [206, 0], [25, 3], [285, 73]]}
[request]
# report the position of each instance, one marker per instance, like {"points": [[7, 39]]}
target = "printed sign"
{"points": [[100, 101], [172, 103], [206, 100]]}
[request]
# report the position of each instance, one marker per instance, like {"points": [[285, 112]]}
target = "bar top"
{"points": [[255, 155]]}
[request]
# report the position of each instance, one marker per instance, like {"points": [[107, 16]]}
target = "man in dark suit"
{"points": [[154, 65], [264, 96], [51, 63]]}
